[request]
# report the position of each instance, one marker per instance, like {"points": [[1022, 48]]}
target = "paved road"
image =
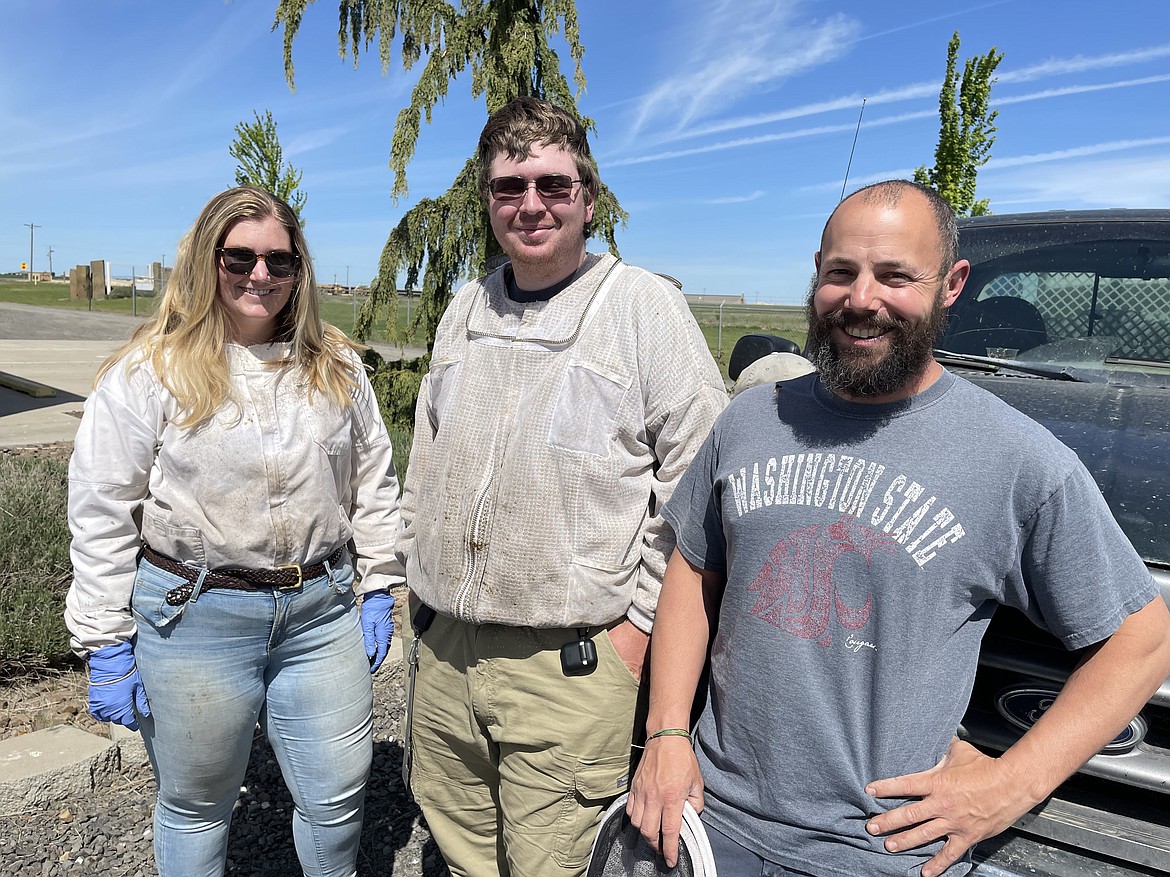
{"points": [[62, 349], [59, 348], [35, 323]]}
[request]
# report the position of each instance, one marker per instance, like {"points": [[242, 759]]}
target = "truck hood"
{"points": [[1122, 435]]}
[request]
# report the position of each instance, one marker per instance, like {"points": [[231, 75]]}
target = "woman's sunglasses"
{"points": [[552, 187], [241, 260]]}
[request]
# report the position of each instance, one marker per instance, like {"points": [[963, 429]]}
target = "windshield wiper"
{"points": [[1052, 371]]}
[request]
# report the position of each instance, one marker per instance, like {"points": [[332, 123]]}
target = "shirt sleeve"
{"points": [[684, 393], [374, 513], [1079, 577], [420, 449], [109, 478], [695, 513]]}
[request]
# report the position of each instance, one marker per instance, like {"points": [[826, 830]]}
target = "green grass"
{"points": [[56, 295], [335, 309], [34, 563], [783, 320]]}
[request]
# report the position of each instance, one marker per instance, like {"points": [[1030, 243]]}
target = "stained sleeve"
{"points": [[683, 394], [374, 514], [109, 479], [420, 449]]}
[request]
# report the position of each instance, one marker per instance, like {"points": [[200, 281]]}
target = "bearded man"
{"points": [[853, 531]]}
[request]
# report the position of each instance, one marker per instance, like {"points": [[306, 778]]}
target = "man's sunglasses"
{"points": [[554, 187], [241, 260]]}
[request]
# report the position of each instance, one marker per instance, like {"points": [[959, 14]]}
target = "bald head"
{"points": [[889, 194]]}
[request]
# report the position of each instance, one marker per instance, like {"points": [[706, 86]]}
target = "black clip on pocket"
{"points": [[579, 658]]}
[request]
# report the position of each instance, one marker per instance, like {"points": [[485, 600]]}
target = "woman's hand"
{"points": [[115, 688], [377, 626]]}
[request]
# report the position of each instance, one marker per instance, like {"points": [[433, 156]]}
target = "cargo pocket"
{"points": [[595, 784]]}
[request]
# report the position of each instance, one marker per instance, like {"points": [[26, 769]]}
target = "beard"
{"points": [[863, 372]]}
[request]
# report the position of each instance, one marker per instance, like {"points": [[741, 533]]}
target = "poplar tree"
{"points": [[966, 132], [261, 162], [505, 46]]}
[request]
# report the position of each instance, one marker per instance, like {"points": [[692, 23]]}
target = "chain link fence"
{"points": [[724, 324]]}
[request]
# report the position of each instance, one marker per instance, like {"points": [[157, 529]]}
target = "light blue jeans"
{"points": [[291, 660]]}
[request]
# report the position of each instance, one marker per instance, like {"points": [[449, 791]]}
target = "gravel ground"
{"points": [[109, 831]]}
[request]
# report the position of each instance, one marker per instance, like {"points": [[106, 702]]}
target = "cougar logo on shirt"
{"points": [[795, 588]]}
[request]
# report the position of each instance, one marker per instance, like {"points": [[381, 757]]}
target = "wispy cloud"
{"points": [[311, 140], [741, 142], [1075, 152], [741, 47], [736, 199], [1113, 182], [949, 15], [886, 97], [850, 102], [1078, 89], [1083, 64], [1015, 161], [230, 38], [919, 91]]}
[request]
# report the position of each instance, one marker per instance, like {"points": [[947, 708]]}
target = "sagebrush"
{"points": [[34, 563]]}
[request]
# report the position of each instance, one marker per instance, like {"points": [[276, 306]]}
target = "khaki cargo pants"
{"points": [[514, 762]]}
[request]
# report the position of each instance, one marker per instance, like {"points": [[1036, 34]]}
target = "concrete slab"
{"points": [[130, 746], [40, 768], [68, 367], [394, 653]]}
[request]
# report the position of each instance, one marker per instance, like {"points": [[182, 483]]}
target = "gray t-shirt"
{"points": [[865, 548]]}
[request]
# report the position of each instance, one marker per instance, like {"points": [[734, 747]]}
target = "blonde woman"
{"points": [[228, 455]]}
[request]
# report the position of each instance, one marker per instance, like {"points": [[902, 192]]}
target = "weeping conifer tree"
{"points": [[506, 46]]}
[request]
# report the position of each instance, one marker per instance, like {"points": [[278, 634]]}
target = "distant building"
{"points": [[704, 299]]}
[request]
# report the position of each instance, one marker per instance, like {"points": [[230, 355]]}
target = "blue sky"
{"points": [[723, 126]]}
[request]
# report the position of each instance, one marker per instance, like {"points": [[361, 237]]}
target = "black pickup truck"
{"points": [[1066, 316]]}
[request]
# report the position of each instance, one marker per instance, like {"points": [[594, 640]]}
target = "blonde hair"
{"points": [[185, 341]]}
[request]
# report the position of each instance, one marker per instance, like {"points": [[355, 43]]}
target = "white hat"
{"points": [[771, 368], [620, 850]]}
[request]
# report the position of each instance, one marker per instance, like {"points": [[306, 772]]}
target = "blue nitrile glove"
{"points": [[115, 688], [377, 626]]}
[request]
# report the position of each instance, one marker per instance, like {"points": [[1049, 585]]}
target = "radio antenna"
{"points": [[845, 182]]}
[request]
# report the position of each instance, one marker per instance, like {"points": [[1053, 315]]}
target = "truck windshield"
{"points": [[1084, 295]]}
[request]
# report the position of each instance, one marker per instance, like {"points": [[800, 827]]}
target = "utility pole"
{"points": [[32, 227], [50, 260], [354, 299]]}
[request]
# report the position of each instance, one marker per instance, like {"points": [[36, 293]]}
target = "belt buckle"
{"points": [[300, 577]]}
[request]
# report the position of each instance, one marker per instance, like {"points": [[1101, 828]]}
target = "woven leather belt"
{"points": [[282, 578]]}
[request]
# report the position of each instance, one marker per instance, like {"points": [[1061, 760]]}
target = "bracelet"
{"points": [[670, 732]]}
